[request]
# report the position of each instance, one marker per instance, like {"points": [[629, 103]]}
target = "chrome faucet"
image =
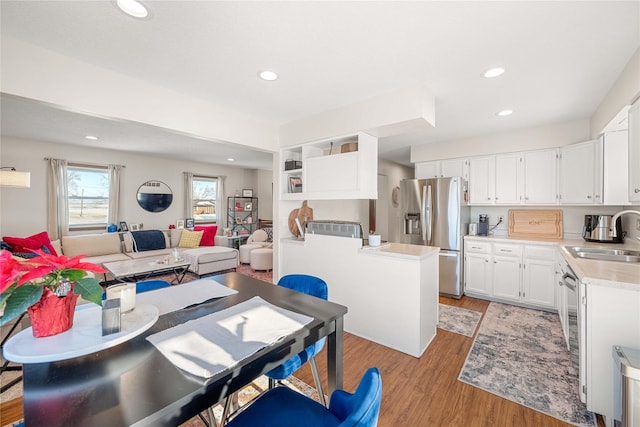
{"points": [[612, 231]]}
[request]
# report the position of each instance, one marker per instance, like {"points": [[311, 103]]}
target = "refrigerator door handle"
{"points": [[426, 213]]}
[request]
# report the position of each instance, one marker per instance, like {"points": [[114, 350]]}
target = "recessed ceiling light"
{"points": [[268, 75], [231, 159], [133, 8], [91, 137], [504, 113], [493, 72]]}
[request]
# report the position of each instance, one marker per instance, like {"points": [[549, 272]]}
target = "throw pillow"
{"points": [[190, 239], [37, 241], [209, 234]]}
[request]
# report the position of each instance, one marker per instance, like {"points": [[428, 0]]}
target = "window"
{"points": [[88, 195], [205, 192]]}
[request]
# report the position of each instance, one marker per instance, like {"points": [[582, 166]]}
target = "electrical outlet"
{"points": [[637, 224]]}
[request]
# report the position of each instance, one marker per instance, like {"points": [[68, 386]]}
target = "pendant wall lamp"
{"points": [[10, 177]]}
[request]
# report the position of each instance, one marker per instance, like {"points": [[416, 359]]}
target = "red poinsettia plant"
{"points": [[23, 282]]}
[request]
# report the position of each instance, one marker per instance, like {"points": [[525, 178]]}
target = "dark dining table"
{"points": [[134, 384]]}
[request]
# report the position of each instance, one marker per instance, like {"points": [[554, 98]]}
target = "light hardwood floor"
{"points": [[416, 392]]}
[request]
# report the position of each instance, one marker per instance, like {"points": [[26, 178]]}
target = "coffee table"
{"points": [[141, 268]]}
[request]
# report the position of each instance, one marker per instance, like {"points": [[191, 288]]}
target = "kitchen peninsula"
{"points": [[391, 291]]}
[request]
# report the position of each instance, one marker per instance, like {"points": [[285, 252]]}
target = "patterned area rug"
{"points": [[459, 320], [519, 354], [251, 392]]}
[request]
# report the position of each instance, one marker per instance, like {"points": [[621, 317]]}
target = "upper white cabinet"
{"points": [[481, 180], [509, 179], [443, 168], [581, 173], [615, 167], [424, 170], [634, 152], [329, 170], [540, 177]]}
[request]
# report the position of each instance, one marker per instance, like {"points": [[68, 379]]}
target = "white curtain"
{"points": [[57, 203], [188, 194], [114, 193], [221, 206]]}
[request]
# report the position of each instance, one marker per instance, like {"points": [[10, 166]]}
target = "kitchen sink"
{"points": [[605, 254]]}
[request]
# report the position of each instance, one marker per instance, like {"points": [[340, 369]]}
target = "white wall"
{"points": [[550, 136], [265, 189], [23, 211]]}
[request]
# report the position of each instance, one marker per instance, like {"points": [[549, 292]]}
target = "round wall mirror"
{"points": [[154, 196]]}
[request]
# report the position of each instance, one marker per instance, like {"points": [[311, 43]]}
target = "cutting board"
{"points": [[535, 223]]}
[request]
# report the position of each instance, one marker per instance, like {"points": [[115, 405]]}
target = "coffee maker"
{"points": [[597, 228], [483, 225]]}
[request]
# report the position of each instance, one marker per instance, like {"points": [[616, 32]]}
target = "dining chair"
{"points": [[309, 285], [283, 407]]}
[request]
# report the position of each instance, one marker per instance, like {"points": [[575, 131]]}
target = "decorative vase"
{"points": [[52, 314]]}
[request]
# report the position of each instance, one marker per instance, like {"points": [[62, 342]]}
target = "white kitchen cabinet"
{"points": [[481, 180], [519, 273], [443, 169], [610, 315], [424, 170], [507, 265], [615, 168], [539, 276], [581, 173], [455, 167], [634, 152], [326, 173], [509, 179], [477, 268], [540, 177]]}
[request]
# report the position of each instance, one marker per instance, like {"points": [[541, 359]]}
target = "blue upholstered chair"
{"points": [[309, 285], [283, 407], [316, 287]]}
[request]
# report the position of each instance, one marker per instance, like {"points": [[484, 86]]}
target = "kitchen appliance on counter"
{"points": [[435, 213], [483, 225], [597, 228], [335, 228]]}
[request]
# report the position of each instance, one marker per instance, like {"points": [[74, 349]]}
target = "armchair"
{"points": [[257, 240]]}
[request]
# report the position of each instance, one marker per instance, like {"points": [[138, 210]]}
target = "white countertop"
{"points": [[609, 271], [401, 250]]}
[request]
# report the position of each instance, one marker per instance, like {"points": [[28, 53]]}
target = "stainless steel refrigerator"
{"points": [[435, 212]]}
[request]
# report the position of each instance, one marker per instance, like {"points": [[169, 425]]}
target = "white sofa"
{"points": [[108, 247]]}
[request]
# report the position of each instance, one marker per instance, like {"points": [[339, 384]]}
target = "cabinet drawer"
{"points": [[477, 247], [507, 250], [540, 252]]}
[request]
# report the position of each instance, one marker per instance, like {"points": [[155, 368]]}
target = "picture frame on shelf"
{"points": [[123, 226], [189, 223], [248, 206], [247, 192], [238, 220], [180, 223], [135, 227], [295, 184]]}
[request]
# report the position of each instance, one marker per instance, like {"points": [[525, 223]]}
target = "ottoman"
{"points": [[246, 250], [262, 259]]}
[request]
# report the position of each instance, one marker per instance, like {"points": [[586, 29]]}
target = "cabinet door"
{"points": [[455, 167], [427, 170], [538, 282], [540, 172], [634, 152], [578, 173], [615, 168], [477, 274], [481, 180], [506, 277], [509, 176]]}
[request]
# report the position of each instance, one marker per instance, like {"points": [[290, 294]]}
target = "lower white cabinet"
{"points": [[521, 273]]}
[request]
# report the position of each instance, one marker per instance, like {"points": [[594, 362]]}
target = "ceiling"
{"points": [[561, 59]]}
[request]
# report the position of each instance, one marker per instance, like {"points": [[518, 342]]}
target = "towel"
{"points": [[148, 240], [207, 346]]}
